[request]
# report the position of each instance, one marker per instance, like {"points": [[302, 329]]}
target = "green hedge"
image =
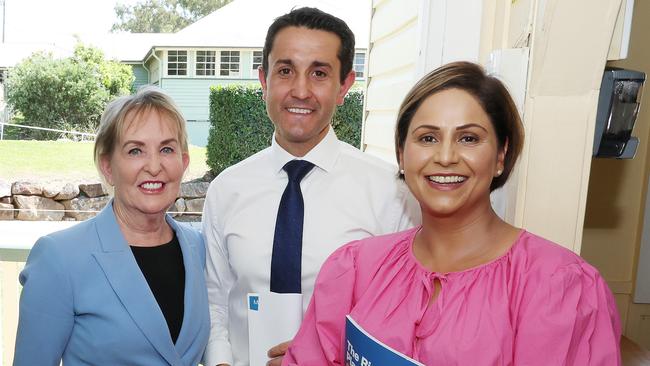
{"points": [[240, 127]]}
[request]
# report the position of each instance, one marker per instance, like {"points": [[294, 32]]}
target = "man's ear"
{"points": [[262, 76], [347, 84]]}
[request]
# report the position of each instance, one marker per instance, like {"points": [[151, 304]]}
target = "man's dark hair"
{"points": [[312, 18]]}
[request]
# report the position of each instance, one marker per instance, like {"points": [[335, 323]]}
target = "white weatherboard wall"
{"points": [[408, 38], [391, 71]]}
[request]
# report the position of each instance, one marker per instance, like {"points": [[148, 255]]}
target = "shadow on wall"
{"points": [[602, 198]]}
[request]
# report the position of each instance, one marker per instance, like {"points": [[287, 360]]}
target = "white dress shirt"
{"points": [[348, 195]]}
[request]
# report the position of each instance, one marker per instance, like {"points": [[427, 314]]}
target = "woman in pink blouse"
{"points": [[465, 288]]}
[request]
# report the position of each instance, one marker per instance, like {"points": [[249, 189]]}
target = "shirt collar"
{"points": [[323, 155]]}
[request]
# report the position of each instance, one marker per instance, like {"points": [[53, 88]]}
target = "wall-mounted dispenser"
{"points": [[618, 106]]}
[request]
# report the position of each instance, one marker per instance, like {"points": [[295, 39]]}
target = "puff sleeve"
{"points": [[567, 317]]}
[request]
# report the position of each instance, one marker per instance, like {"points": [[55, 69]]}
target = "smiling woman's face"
{"points": [[147, 164], [451, 154]]}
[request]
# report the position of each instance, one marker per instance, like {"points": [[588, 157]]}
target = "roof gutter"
{"points": [[153, 52], [144, 64]]}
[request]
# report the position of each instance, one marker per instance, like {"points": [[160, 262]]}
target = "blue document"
{"points": [[362, 349]]}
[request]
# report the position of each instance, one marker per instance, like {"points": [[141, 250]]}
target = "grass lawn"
{"points": [[66, 160]]}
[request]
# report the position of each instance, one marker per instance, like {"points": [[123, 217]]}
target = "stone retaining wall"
{"points": [[33, 201]]}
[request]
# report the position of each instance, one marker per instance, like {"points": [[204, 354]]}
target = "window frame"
{"points": [[177, 62], [253, 63], [230, 63], [206, 63], [355, 66]]}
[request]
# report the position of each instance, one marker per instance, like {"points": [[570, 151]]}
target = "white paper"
{"points": [[272, 319]]}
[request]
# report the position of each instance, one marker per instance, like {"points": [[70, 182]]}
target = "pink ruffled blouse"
{"points": [[538, 304]]}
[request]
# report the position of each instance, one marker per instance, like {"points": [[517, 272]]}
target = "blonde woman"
{"points": [[125, 287]]}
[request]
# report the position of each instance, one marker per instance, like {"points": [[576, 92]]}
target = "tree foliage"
{"points": [[116, 77], [66, 94], [162, 16]]}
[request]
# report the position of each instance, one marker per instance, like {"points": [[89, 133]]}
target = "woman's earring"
{"points": [[401, 171], [499, 172]]}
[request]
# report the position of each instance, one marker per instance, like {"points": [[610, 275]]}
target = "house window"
{"points": [[206, 62], [257, 59], [359, 64], [229, 63], [176, 62]]}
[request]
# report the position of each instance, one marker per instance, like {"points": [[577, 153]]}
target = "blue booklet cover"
{"points": [[362, 349]]}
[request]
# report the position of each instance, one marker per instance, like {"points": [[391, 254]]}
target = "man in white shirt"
{"points": [[306, 71]]}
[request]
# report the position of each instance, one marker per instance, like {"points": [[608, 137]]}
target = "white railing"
{"points": [[82, 134]]}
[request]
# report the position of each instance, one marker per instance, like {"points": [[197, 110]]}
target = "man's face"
{"points": [[302, 86]]}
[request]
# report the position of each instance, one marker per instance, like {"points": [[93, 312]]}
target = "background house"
{"points": [[224, 47]]}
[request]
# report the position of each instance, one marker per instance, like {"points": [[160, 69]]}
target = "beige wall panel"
{"points": [[617, 37], [386, 93], [391, 16], [393, 53], [462, 30], [493, 27], [520, 22], [614, 209], [609, 249], [619, 47], [552, 170], [617, 193], [638, 324], [581, 28]]}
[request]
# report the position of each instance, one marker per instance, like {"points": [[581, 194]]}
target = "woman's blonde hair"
{"points": [[114, 119]]}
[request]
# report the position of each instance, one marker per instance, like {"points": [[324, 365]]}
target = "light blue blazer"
{"points": [[86, 302]]}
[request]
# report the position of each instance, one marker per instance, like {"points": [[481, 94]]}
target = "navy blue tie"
{"points": [[287, 242]]}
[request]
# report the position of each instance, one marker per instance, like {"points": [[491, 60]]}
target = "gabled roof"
{"points": [[243, 23], [127, 47], [240, 24]]}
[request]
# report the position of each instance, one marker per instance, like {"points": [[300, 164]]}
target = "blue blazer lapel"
{"points": [[126, 279], [195, 290]]}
